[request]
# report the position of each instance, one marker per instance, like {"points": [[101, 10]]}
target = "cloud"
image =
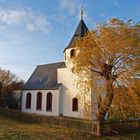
{"points": [[117, 4], [11, 17], [71, 8], [31, 21], [68, 5], [40, 23]]}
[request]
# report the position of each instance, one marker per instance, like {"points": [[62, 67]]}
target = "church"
{"points": [[51, 89]]}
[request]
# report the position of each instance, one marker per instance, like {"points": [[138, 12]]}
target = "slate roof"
{"points": [[81, 30], [44, 77]]}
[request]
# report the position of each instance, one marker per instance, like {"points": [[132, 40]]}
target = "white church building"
{"points": [[51, 89]]}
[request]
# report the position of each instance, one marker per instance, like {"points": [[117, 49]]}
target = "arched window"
{"points": [[39, 101], [28, 100], [72, 53], [75, 104], [49, 102]]}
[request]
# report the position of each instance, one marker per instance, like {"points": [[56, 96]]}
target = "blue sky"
{"points": [[34, 32]]}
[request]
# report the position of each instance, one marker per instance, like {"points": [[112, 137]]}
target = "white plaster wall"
{"points": [[69, 91], [67, 58], [55, 102], [98, 89]]}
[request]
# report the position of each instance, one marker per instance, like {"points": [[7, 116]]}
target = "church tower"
{"points": [[81, 30]]}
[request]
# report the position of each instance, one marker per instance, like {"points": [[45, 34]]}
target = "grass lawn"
{"points": [[16, 130]]}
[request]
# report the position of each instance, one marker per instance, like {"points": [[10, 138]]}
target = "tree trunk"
{"points": [[106, 103]]}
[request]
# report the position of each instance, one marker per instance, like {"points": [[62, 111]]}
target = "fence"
{"points": [[66, 122], [118, 127], [79, 124]]}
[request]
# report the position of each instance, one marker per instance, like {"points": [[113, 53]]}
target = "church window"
{"points": [[39, 101], [72, 53], [49, 102], [75, 104], [28, 100]]}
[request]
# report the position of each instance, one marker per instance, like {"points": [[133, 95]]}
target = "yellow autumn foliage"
{"points": [[111, 52]]}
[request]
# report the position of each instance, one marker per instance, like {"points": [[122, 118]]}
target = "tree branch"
{"points": [[97, 72]]}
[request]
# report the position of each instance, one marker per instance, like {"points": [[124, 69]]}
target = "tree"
{"points": [[8, 82], [111, 52]]}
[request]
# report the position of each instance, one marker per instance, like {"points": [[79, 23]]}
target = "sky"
{"points": [[35, 32]]}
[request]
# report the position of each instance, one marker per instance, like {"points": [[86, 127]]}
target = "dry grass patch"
{"points": [[16, 130]]}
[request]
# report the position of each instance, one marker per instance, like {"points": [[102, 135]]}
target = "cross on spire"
{"points": [[81, 13]]}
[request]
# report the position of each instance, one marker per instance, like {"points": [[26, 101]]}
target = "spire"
{"points": [[81, 13], [80, 31]]}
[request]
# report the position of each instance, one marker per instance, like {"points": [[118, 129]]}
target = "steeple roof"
{"points": [[81, 30]]}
